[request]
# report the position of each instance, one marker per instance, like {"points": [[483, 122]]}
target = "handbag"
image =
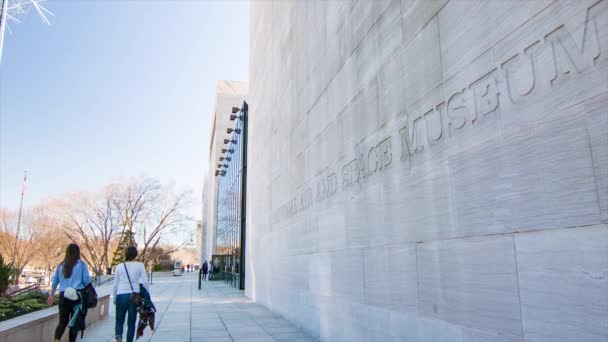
{"points": [[135, 297], [90, 294]]}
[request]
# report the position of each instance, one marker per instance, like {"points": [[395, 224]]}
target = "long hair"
{"points": [[72, 255]]}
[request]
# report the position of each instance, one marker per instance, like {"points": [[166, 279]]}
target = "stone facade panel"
{"points": [[536, 179], [471, 282], [563, 279], [391, 277]]}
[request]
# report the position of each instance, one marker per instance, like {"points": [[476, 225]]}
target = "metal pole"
{"points": [[200, 273], [19, 219]]}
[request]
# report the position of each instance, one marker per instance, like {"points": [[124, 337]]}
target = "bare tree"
{"points": [[151, 213], [51, 241], [154, 214], [52, 250], [135, 200], [131, 203], [160, 255], [165, 218], [19, 244], [91, 221]]}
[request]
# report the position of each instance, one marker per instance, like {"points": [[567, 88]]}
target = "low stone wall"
{"points": [[40, 325]]}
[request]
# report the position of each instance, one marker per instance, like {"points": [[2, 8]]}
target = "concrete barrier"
{"points": [[40, 325]]}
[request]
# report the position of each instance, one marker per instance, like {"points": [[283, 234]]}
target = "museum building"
{"points": [[430, 170]]}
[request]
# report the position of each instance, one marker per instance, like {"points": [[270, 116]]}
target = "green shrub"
{"points": [[23, 304], [37, 295], [163, 268], [5, 273]]}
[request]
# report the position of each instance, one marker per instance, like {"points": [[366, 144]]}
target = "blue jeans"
{"points": [[124, 305]]}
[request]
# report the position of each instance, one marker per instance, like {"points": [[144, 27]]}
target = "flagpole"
{"points": [[20, 210], [3, 19]]}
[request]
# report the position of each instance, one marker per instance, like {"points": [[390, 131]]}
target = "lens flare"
{"points": [[13, 11]]}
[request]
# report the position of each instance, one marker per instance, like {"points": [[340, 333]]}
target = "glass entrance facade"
{"points": [[231, 203]]}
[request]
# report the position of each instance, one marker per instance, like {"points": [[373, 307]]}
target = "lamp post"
{"points": [[200, 274]]}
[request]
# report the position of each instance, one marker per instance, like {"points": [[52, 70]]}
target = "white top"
{"points": [[138, 275]]}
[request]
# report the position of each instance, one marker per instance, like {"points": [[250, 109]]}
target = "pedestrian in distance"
{"points": [[205, 270], [126, 293], [72, 276]]}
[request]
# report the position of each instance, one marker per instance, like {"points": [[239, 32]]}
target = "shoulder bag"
{"points": [[90, 294], [135, 297]]}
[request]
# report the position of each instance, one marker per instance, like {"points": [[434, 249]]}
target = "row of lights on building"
{"points": [[225, 158]]}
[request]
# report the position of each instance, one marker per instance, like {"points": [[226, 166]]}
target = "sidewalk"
{"points": [[217, 313]]}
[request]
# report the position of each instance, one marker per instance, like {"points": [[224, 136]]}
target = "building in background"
{"points": [[229, 94], [430, 170], [199, 237], [204, 223], [231, 202]]}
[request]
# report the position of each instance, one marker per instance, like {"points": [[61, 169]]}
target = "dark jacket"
{"points": [[79, 314]]}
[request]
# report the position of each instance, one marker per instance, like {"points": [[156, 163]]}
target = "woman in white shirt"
{"points": [[127, 278]]}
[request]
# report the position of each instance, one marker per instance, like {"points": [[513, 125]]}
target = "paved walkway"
{"points": [[217, 313]]}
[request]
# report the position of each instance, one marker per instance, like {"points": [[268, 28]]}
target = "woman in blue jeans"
{"points": [[127, 278]]}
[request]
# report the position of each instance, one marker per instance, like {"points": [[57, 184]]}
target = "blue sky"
{"points": [[112, 90]]}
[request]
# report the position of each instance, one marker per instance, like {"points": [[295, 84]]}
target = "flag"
{"points": [[24, 184]]}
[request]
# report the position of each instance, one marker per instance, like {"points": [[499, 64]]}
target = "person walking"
{"points": [[205, 270], [72, 275], [210, 270], [127, 278]]}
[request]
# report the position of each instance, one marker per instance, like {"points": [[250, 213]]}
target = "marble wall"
{"points": [[430, 170]]}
